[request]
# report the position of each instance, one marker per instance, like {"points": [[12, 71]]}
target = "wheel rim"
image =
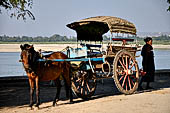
{"points": [[126, 72]]}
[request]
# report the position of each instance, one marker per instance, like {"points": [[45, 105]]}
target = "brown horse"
{"points": [[45, 71]]}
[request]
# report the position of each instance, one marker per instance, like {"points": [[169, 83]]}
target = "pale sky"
{"points": [[52, 16]]}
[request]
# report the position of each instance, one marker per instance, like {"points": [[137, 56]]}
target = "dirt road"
{"points": [[14, 98]]}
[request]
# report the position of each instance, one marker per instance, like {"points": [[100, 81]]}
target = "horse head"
{"points": [[28, 57]]}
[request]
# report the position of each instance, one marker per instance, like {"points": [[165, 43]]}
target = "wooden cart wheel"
{"points": [[126, 72], [84, 84]]}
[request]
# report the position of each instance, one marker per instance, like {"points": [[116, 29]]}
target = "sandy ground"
{"points": [[14, 98], [53, 47], [45, 47]]}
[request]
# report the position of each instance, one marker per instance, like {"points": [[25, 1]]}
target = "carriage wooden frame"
{"points": [[117, 62]]}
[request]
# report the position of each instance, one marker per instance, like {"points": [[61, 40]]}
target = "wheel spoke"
{"points": [[124, 81], [132, 81], [123, 60], [120, 72], [82, 85], [78, 87], [126, 85], [129, 82], [132, 65], [88, 86], [121, 78], [85, 89], [127, 63], [81, 90], [122, 65], [130, 60], [133, 77]]}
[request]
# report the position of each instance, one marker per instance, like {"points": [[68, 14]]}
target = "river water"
{"points": [[10, 65]]}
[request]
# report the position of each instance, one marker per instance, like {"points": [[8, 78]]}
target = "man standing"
{"points": [[147, 63]]}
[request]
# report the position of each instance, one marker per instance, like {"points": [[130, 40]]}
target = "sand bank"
{"points": [[52, 47]]}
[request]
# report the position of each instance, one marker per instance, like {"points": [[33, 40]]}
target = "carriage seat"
{"points": [[124, 40], [93, 49], [89, 46]]}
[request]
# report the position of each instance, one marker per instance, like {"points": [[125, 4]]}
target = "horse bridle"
{"points": [[28, 68]]}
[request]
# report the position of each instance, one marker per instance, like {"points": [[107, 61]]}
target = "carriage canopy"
{"points": [[92, 29]]}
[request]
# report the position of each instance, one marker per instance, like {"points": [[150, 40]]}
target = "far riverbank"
{"points": [[54, 47]]}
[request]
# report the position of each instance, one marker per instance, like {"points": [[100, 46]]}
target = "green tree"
{"points": [[169, 5], [18, 8]]}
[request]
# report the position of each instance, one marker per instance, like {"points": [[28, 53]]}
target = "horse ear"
{"points": [[31, 47], [22, 47]]}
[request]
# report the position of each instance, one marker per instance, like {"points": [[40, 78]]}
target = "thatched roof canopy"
{"points": [[93, 28]]}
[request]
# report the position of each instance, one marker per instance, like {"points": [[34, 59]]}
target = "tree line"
{"points": [[163, 39], [54, 38]]}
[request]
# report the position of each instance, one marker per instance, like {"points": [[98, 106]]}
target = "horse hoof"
{"points": [[71, 102], [30, 108], [54, 104]]}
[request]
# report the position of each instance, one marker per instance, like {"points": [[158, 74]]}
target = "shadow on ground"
{"points": [[17, 94]]}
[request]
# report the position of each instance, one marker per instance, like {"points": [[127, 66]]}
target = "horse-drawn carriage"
{"points": [[92, 59], [116, 61]]}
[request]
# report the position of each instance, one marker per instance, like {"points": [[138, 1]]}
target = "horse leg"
{"points": [[31, 82], [66, 87], [37, 92], [58, 85], [67, 79]]}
